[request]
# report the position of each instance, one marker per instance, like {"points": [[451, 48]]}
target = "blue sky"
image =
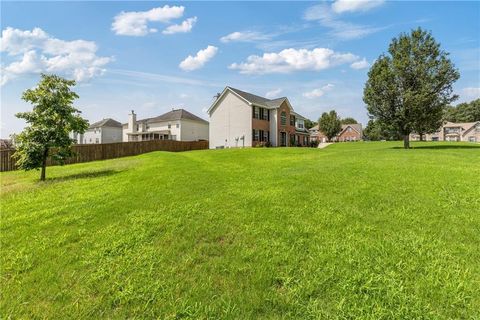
{"points": [[315, 53]]}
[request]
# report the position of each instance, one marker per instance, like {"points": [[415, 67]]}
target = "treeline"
{"points": [[463, 112]]}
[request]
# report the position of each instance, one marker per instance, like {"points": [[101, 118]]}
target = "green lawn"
{"points": [[356, 230]]}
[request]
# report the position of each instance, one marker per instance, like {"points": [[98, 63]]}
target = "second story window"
{"points": [[169, 126], [256, 112], [292, 120], [283, 118]]}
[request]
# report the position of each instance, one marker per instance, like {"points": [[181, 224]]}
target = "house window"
{"points": [[283, 118], [300, 125], [292, 120], [349, 129], [255, 134], [178, 125], [138, 127], [169, 126], [147, 126], [256, 112], [471, 139], [266, 136], [96, 140]]}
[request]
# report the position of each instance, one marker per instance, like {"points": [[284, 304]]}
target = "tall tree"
{"points": [[348, 120], [409, 89], [49, 124], [330, 124]]}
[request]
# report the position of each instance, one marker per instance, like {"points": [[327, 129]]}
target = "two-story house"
{"points": [[451, 131], [178, 124], [242, 119], [349, 132], [103, 131]]}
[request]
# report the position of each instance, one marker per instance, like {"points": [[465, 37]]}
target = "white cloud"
{"points": [[36, 51], [361, 64], [289, 60], [316, 93], [245, 36], [470, 93], [341, 6], [185, 26], [135, 23], [327, 17], [273, 93], [202, 57]]}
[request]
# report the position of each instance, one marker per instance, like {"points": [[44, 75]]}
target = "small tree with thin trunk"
{"points": [[50, 123], [409, 89], [330, 124]]}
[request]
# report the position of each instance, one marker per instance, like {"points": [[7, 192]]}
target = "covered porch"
{"points": [[151, 135]]}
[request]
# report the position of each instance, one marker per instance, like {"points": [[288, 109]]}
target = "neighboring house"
{"points": [[349, 132], [104, 131], [450, 131], [178, 124], [242, 119]]}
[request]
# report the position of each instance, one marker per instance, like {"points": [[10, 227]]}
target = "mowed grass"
{"points": [[356, 230]]}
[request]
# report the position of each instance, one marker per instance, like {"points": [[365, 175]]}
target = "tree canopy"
{"points": [[408, 89], [330, 124], [348, 120], [463, 112], [49, 124]]}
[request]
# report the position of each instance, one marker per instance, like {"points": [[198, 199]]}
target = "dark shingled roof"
{"points": [[257, 100], [109, 122]]}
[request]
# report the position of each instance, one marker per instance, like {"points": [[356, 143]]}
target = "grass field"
{"points": [[356, 230]]}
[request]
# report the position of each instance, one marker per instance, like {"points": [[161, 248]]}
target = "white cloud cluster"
{"points": [[289, 60], [135, 23], [197, 61], [273, 93], [341, 6], [361, 64], [245, 36], [470, 93], [36, 51], [185, 26], [315, 93], [328, 16]]}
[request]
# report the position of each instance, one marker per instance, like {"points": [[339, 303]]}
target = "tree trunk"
{"points": [[406, 141], [44, 164]]}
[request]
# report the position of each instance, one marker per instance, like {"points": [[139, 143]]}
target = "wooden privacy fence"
{"points": [[94, 152]]}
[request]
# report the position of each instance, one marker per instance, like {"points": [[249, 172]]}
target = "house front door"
{"points": [[283, 139]]}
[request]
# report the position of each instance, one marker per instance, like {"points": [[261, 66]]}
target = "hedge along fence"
{"points": [[94, 152]]}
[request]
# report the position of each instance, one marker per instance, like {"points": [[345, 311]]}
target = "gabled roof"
{"points": [[109, 122], [355, 126], [466, 126], [176, 114], [253, 99]]}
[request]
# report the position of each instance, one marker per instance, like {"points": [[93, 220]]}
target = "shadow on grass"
{"points": [[83, 175], [443, 147]]}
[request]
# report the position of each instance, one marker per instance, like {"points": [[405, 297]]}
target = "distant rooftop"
{"points": [[109, 122], [175, 114]]}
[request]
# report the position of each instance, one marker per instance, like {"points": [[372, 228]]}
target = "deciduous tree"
{"points": [[330, 124], [408, 89], [50, 122]]}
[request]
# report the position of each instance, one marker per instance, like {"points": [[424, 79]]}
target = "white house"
{"points": [[178, 124], [104, 131], [242, 119]]}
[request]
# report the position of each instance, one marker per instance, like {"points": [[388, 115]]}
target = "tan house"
{"points": [[349, 132], [450, 131], [242, 119]]}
